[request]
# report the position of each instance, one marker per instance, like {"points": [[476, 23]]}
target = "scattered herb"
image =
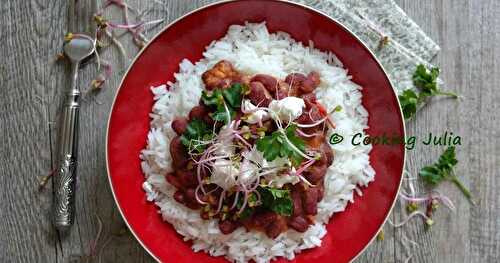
{"points": [[409, 101], [442, 170], [275, 145], [249, 208], [411, 207], [196, 130], [232, 95], [277, 200], [219, 99], [381, 235], [426, 81]]}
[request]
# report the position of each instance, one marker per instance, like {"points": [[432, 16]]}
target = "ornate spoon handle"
{"points": [[65, 177]]}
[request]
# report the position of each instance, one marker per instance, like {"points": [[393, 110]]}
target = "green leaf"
{"points": [[442, 170], [426, 82], [219, 99], [221, 114], [431, 175], [409, 101], [212, 98], [196, 130], [447, 160], [249, 208], [275, 145], [277, 200], [232, 95]]}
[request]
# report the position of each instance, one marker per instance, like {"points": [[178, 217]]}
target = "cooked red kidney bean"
{"points": [[295, 79], [298, 223], [264, 219], [310, 100], [178, 152], [179, 197], [193, 204], [188, 178], [285, 90], [227, 226], [314, 77], [297, 202], [315, 114], [310, 201], [179, 125], [259, 95], [173, 180], [269, 82], [326, 153], [190, 194], [303, 118], [315, 173], [204, 215], [311, 82], [274, 229], [198, 112], [311, 116]]}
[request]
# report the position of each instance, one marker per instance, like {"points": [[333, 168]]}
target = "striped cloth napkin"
{"points": [[397, 41]]}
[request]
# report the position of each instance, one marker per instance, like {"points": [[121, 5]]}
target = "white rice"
{"points": [[252, 49]]}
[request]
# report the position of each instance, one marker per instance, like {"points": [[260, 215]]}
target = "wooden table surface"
{"points": [[31, 91]]}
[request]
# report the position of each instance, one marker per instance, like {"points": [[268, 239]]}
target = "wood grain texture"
{"points": [[32, 86]]}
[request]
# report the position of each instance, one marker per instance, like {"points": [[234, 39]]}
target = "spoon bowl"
{"points": [[79, 47]]}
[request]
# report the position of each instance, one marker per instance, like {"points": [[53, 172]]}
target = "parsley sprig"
{"points": [[442, 171], [249, 208], [277, 200], [275, 145], [196, 132], [224, 101], [426, 82]]}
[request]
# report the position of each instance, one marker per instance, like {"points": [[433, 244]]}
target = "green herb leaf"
{"points": [[249, 208], [409, 102], [275, 145], [277, 200], [221, 114], [219, 99], [298, 142], [431, 175], [232, 95], [196, 130], [426, 82], [212, 98], [442, 170]]}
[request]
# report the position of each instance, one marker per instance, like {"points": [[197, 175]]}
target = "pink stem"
{"points": [[416, 213], [235, 200], [305, 166], [196, 194], [221, 199], [434, 195], [307, 135], [245, 200], [243, 140], [312, 124]]}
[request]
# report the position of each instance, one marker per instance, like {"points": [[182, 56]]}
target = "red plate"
{"points": [[348, 232]]}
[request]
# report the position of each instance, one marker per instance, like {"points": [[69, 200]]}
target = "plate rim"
{"points": [[166, 27]]}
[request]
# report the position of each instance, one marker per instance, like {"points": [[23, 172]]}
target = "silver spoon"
{"points": [[78, 48]]}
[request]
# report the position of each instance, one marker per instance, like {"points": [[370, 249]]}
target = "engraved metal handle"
{"points": [[65, 177]]}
